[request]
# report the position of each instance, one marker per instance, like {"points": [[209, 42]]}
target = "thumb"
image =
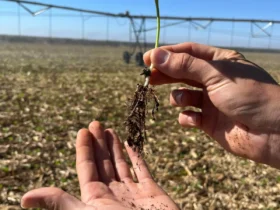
{"points": [[183, 66], [50, 198]]}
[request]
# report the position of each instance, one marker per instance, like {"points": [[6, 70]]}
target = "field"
{"points": [[49, 92]]}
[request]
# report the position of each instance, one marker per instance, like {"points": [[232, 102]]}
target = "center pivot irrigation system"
{"points": [[138, 28]]}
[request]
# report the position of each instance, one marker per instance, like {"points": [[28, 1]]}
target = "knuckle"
{"points": [[120, 161], [53, 201], [233, 54], [86, 163], [186, 61]]}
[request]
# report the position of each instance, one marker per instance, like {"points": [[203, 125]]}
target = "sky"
{"points": [[70, 24]]}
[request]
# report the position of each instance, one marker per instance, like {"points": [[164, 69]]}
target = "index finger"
{"points": [[201, 51], [85, 162]]}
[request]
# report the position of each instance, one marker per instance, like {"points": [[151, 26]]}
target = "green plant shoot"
{"points": [[158, 24], [147, 72], [158, 29]]}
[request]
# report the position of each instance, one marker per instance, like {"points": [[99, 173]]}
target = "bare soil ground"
{"points": [[49, 92]]}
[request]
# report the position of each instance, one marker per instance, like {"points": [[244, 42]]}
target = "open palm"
{"points": [[105, 179]]}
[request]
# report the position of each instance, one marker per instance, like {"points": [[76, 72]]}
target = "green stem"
{"points": [[158, 24], [147, 78]]}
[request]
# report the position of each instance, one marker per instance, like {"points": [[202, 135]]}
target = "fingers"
{"points": [[184, 97], [50, 198], [190, 119], [85, 161], [117, 156], [140, 168], [201, 51], [101, 153]]}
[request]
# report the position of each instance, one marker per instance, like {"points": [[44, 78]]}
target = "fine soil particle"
{"points": [[137, 111]]}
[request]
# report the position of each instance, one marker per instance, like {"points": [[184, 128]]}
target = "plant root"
{"points": [[136, 120]]}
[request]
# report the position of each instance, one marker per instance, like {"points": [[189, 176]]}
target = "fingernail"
{"points": [[193, 119], [22, 206], [159, 56], [30, 205], [27, 202], [177, 95]]}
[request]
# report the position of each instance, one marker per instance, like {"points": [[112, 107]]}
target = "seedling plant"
{"points": [[138, 104]]}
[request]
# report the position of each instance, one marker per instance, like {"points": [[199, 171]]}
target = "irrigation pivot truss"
{"points": [[258, 28]]}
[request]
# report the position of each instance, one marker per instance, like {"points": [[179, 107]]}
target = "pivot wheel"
{"points": [[139, 59], [126, 57]]}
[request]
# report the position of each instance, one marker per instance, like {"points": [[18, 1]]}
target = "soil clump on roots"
{"points": [[137, 112]]}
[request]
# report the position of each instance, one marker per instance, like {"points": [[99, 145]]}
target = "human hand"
{"points": [[239, 101], [105, 179]]}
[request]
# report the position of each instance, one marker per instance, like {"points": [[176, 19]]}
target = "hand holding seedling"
{"points": [[239, 101], [105, 179]]}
